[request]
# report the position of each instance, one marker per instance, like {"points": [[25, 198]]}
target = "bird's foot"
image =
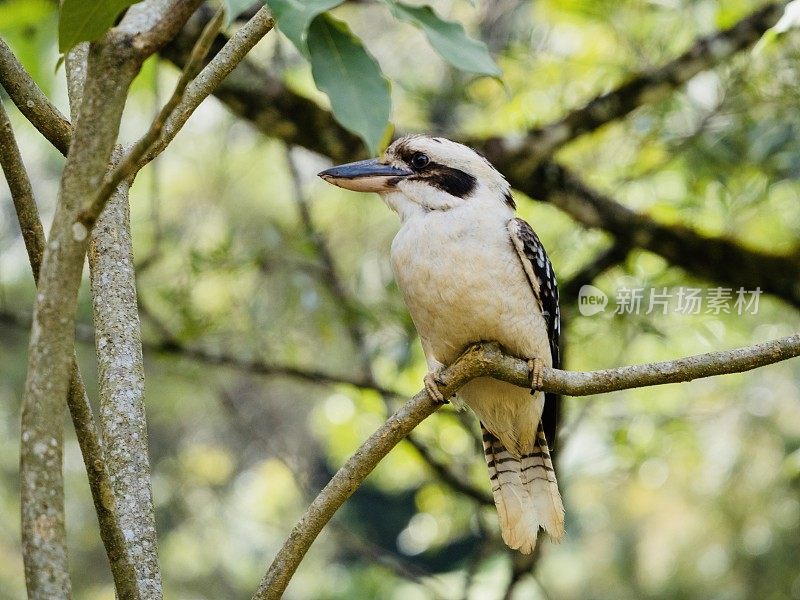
{"points": [[432, 382], [535, 366]]}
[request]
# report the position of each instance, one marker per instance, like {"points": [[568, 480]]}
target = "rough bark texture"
{"points": [[32, 102], [113, 63], [77, 400], [52, 335], [121, 383], [482, 360]]}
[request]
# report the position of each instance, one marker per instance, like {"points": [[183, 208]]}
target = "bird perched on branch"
{"points": [[470, 271]]}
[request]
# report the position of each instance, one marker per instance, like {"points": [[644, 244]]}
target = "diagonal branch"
{"points": [[488, 360], [225, 60], [129, 164], [648, 87], [31, 101]]}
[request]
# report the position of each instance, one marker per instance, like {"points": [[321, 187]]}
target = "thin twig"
{"points": [[330, 274], [444, 473], [488, 360], [212, 75], [130, 163], [613, 255]]}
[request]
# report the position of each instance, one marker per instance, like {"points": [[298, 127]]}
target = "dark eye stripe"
{"points": [[448, 179]]}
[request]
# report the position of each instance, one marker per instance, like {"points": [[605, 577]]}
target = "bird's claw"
{"points": [[535, 367], [432, 382]]}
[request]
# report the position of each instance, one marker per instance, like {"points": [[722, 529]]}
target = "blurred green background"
{"points": [[684, 491]]}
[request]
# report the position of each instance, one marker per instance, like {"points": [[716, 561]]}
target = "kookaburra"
{"points": [[470, 271]]}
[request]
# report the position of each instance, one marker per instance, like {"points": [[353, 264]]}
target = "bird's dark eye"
{"points": [[420, 160]]}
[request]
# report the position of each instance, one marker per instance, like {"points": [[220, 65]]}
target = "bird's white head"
{"points": [[418, 174]]}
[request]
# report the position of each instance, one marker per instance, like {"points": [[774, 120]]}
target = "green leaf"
{"points": [[351, 78], [233, 8], [449, 39], [87, 20], [295, 16]]}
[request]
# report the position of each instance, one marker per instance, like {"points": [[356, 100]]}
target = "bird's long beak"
{"points": [[365, 176]]}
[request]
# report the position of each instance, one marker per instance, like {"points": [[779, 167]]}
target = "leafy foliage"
{"points": [[294, 18], [233, 8], [340, 75], [87, 20], [448, 39], [352, 79]]}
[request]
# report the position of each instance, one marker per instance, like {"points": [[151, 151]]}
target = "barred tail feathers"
{"points": [[525, 493], [540, 482]]}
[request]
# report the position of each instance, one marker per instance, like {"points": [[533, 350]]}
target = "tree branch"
{"points": [[113, 63], [256, 95], [121, 385], [645, 88], [613, 255], [31, 101], [488, 360], [77, 400], [129, 164], [225, 60]]}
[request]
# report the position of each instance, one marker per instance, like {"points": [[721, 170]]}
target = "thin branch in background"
{"points": [[443, 472], [482, 550], [260, 367], [175, 348], [368, 551], [521, 565], [715, 258], [77, 400], [488, 360], [392, 561], [646, 88], [330, 274], [155, 188]]}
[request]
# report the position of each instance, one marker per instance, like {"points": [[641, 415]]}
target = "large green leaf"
{"points": [[233, 8], [449, 39], [295, 16], [87, 20], [351, 78]]}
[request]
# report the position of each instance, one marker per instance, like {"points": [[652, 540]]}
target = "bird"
{"points": [[469, 271]]}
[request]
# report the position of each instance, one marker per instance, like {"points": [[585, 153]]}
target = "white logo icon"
{"points": [[591, 300]]}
